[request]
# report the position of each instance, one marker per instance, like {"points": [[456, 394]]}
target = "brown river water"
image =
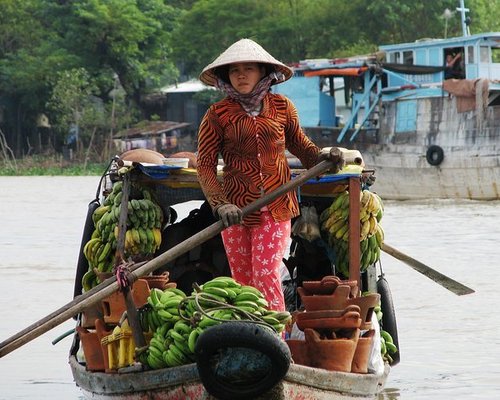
{"points": [[450, 345]]}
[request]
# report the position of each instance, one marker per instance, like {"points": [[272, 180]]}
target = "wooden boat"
{"points": [[138, 381], [425, 135], [182, 383]]}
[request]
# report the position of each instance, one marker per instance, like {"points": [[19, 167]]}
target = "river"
{"points": [[449, 344]]}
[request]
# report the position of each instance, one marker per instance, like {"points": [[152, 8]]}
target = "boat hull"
{"points": [[183, 383], [470, 144]]}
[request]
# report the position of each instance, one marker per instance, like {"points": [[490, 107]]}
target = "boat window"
{"points": [[394, 57], [470, 54], [495, 54], [484, 54], [408, 57]]}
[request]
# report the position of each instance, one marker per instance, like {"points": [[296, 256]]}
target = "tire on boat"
{"points": [[388, 315], [434, 155], [261, 361]]}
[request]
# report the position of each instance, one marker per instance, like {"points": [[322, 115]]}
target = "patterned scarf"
{"points": [[251, 101]]}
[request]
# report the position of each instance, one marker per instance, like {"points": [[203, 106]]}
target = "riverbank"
{"points": [[48, 166]]}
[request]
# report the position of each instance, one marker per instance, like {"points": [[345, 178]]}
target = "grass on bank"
{"points": [[49, 166]]}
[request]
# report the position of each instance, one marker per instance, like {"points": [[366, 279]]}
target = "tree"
{"points": [[128, 38]]}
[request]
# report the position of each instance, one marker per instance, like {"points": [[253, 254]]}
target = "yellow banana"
{"points": [[157, 235], [340, 232], [373, 226], [365, 229], [379, 234]]}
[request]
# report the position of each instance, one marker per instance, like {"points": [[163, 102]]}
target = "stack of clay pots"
{"points": [[336, 324], [99, 320]]}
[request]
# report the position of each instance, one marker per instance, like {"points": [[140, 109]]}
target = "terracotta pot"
{"points": [[91, 349], [366, 305], [299, 350], [114, 305], [303, 315], [334, 354], [100, 328], [335, 301], [362, 353], [341, 299], [159, 281], [90, 314], [348, 320], [327, 286]]}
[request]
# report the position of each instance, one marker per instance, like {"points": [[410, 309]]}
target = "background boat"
{"points": [[426, 136]]}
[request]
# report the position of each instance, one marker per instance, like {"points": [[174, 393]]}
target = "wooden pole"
{"points": [[110, 285], [448, 283]]}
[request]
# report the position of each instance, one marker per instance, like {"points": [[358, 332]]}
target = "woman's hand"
{"points": [[229, 214], [335, 155]]}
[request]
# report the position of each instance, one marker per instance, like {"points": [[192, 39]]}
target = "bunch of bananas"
{"points": [[142, 237], [387, 346], [335, 229], [178, 320]]}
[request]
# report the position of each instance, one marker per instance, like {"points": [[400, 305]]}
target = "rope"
{"points": [[201, 311]]}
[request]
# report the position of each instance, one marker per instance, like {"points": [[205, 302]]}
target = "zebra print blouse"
{"points": [[253, 152]]}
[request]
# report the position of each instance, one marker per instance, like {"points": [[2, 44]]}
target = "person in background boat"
{"points": [[453, 66], [251, 128]]}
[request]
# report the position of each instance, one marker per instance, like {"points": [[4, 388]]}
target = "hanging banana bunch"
{"points": [[335, 229], [142, 238]]}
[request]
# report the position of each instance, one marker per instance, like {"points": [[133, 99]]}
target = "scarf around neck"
{"points": [[251, 101]]}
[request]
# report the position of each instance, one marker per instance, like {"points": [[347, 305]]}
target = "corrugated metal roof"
{"points": [[150, 128], [191, 86]]}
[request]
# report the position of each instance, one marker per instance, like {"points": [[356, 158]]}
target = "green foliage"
{"points": [[129, 48], [50, 166], [207, 97], [72, 101]]}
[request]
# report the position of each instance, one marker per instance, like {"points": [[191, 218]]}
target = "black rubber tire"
{"points": [[82, 265], [247, 335], [434, 155], [388, 315]]}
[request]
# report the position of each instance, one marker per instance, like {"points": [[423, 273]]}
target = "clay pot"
{"points": [[102, 332], [92, 350], [341, 319], [339, 300], [327, 286], [159, 281], [366, 305], [114, 305], [302, 315], [90, 314], [299, 350], [335, 301], [334, 354], [362, 353]]}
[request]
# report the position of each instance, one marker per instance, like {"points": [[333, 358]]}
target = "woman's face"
{"points": [[244, 76]]}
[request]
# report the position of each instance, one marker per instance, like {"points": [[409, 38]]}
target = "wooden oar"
{"points": [[448, 283], [110, 285]]}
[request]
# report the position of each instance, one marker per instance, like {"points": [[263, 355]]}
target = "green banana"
{"points": [[193, 337]]}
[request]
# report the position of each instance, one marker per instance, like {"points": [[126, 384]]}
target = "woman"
{"points": [[250, 129]]}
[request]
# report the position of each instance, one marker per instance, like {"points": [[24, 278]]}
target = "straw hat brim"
{"points": [[244, 50]]}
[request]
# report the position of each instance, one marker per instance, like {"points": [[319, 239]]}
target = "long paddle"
{"points": [[110, 285], [448, 283]]}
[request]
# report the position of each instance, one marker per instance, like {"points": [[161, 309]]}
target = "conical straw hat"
{"points": [[244, 50]]}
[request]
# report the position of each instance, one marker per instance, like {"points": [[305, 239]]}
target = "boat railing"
{"points": [[368, 101]]}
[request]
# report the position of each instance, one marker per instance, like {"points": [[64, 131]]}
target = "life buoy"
{"points": [[434, 155], [388, 315], [259, 364]]}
